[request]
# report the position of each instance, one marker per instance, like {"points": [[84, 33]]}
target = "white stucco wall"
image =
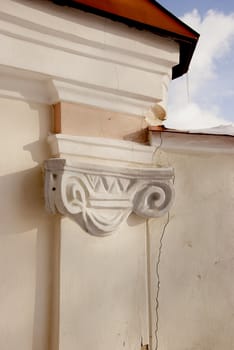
{"points": [[103, 288], [100, 294], [196, 296], [103, 298], [25, 230]]}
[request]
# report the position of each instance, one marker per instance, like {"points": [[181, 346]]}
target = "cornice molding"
{"points": [[100, 198], [98, 62], [77, 149]]}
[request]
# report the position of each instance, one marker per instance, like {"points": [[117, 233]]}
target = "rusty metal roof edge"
{"points": [[204, 132]]}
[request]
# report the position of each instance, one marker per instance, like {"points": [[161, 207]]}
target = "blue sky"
{"points": [[205, 97], [180, 7]]}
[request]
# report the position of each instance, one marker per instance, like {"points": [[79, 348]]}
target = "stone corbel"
{"points": [[100, 198]]}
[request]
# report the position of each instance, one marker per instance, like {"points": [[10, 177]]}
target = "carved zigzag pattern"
{"points": [[108, 184]]}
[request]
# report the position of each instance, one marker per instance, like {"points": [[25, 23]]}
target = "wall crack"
{"points": [[157, 148], [158, 260]]}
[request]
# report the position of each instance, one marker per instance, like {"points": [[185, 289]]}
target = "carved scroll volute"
{"points": [[153, 200], [100, 198]]}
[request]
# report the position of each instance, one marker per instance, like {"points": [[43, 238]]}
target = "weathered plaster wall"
{"points": [[196, 298], [103, 288], [25, 229]]}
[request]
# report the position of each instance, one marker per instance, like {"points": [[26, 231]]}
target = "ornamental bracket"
{"points": [[100, 198]]}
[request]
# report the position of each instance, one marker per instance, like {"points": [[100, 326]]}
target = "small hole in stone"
{"points": [[54, 189]]}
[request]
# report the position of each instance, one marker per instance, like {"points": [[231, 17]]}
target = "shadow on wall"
{"points": [[26, 230], [23, 204]]}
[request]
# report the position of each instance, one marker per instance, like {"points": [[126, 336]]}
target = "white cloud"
{"points": [[193, 106], [191, 116]]}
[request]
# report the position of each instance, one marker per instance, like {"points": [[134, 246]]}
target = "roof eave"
{"points": [[187, 44]]}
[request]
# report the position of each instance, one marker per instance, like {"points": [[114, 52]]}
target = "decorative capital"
{"points": [[99, 198]]}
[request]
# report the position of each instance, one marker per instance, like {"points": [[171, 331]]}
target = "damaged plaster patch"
{"points": [[156, 115], [159, 156], [145, 346]]}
